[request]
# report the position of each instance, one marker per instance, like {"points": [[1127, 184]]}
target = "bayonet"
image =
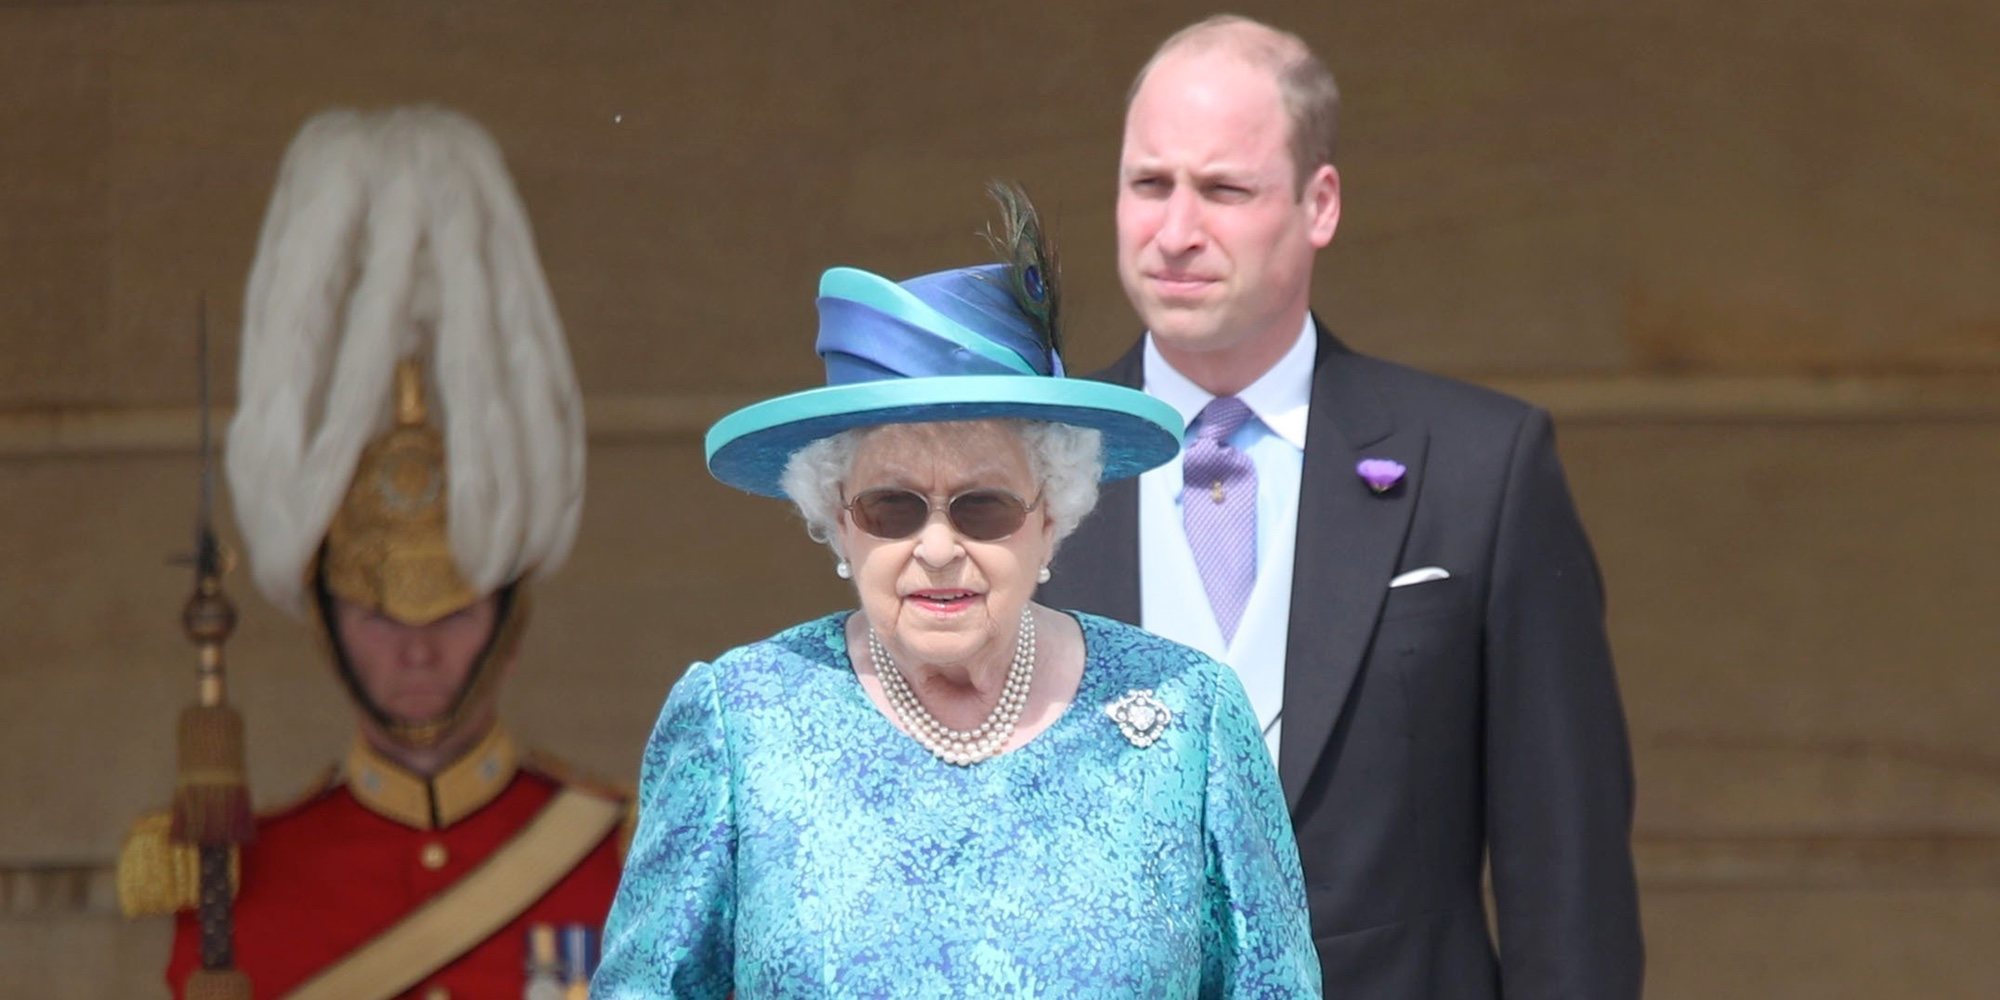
{"points": [[211, 794]]}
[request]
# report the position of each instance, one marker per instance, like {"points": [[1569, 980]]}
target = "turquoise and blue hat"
{"points": [[954, 345]]}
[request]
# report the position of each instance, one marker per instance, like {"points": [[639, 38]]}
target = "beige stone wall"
{"points": [[1746, 253]]}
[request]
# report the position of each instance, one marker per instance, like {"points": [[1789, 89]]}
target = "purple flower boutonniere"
{"points": [[1381, 474]]}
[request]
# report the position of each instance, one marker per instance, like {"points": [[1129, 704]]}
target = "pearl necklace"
{"points": [[961, 747]]}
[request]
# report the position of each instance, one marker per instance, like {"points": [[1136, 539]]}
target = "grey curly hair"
{"points": [[1067, 461]]}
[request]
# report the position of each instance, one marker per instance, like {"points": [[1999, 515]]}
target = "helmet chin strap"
{"points": [[510, 616]]}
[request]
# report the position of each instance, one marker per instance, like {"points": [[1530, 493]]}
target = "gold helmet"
{"points": [[409, 431], [387, 548]]}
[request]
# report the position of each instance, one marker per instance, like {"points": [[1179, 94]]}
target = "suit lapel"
{"points": [[1098, 567], [1348, 542], [1111, 575]]}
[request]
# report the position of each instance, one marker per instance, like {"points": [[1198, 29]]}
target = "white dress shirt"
{"points": [[1172, 602]]}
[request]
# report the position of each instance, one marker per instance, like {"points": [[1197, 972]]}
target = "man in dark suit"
{"points": [[1390, 560]]}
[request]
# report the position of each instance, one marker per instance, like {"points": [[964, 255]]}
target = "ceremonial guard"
{"points": [[406, 455]]}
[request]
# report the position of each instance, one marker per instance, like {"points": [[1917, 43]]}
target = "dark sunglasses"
{"points": [[983, 515]]}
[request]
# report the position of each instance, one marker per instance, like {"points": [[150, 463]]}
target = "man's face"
{"points": [[1215, 243], [414, 672]]}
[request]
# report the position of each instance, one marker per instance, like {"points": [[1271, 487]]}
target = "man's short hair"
{"points": [[1305, 85]]}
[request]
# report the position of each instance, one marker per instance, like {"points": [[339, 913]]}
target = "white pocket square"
{"points": [[1425, 575]]}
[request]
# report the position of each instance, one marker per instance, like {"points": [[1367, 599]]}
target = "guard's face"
{"points": [[939, 596], [414, 672], [1215, 242]]}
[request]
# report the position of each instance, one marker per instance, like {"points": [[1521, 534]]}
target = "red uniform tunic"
{"points": [[327, 876]]}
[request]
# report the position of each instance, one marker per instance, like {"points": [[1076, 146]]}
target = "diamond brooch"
{"points": [[1140, 717]]}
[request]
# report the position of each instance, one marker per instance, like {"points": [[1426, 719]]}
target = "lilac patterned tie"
{"points": [[1219, 510]]}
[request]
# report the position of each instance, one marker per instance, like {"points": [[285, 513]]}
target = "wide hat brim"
{"points": [[749, 448]]}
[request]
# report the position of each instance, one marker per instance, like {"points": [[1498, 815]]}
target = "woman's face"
{"points": [[938, 597]]}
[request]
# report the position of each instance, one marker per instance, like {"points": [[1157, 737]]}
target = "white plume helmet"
{"points": [[391, 235]]}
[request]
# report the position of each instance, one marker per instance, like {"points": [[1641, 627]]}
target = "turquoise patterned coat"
{"points": [[793, 843]]}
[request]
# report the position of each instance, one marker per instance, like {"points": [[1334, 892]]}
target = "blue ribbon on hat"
{"points": [[958, 322]]}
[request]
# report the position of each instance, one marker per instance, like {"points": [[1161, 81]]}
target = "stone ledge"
{"points": [[1675, 863], [82, 431], [1901, 861], [46, 887]]}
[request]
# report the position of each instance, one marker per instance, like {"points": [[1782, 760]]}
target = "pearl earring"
{"points": [[842, 570], [1043, 576]]}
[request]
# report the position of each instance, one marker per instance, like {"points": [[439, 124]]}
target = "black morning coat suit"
{"points": [[1430, 725]]}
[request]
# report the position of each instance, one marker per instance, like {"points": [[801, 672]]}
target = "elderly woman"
{"points": [[952, 791]]}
